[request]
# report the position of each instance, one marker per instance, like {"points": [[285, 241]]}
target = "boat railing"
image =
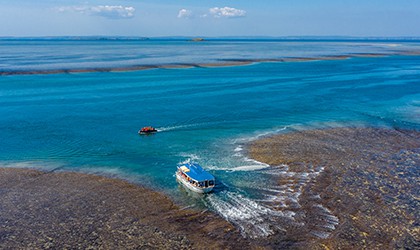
{"points": [[200, 184]]}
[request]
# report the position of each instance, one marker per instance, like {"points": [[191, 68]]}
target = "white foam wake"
{"points": [[275, 204], [253, 218]]}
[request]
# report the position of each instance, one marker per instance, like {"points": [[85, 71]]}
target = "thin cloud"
{"points": [[107, 11], [226, 12], [113, 11], [184, 13]]}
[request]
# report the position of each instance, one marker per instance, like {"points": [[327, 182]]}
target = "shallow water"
{"points": [[88, 122]]}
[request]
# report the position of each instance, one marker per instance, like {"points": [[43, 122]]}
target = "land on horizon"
{"points": [[275, 38]]}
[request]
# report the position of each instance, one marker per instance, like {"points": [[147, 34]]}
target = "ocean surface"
{"points": [[88, 121]]}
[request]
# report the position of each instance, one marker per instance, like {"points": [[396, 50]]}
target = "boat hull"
{"points": [[147, 133], [191, 187]]}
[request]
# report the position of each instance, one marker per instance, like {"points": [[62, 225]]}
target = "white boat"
{"points": [[195, 178]]}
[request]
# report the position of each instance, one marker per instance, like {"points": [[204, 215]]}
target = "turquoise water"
{"points": [[89, 121]]}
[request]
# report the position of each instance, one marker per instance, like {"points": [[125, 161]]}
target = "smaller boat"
{"points": [[147, 130], [195, 178]]}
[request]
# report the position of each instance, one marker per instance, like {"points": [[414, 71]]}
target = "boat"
{"points": [[195, 178], [198, 39], [147, 130]]}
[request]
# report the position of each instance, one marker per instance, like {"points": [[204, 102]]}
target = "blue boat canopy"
{"points": [[196, 172]]}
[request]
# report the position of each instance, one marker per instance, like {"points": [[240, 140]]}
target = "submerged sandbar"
{"points": [[212, 64], [369, 181]]}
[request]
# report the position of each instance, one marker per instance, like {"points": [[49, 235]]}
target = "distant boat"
{"points": [[199, 39], [195, 178], [147, 130]]}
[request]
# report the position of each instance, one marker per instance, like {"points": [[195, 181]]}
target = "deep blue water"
{"points": [[89, 121]]}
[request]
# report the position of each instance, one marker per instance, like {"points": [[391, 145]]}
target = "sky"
{"points": [[210, 18]]}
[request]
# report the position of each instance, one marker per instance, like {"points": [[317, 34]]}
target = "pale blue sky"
{"points": [[210, 18]]}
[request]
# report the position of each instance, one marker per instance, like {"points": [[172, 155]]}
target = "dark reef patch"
{"points": [[370, 182], [67, 210]]}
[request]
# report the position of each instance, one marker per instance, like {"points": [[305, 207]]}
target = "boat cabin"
{"points": [[194, 177]]}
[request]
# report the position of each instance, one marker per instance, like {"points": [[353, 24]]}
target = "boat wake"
{"points": [[263, 200], [260, 208], [190, 125], [170, 128], [248, 167], [253, 218]]}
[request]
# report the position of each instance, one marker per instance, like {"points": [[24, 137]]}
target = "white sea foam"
{"points": [[260, 134], [238, 168], [275, 204], [189, 158], [163, 129], [187, 125], [177, 127], [259, 217], [255, 161], [254, 219], [249, 168]]}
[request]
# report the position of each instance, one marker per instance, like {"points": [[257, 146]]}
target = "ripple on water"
{"points": [[275, 206]]}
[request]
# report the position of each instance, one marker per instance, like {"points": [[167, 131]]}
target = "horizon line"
{"points": [[124, 37]]}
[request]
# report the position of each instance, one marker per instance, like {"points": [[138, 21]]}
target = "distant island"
{"points": [[218, 38]]}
